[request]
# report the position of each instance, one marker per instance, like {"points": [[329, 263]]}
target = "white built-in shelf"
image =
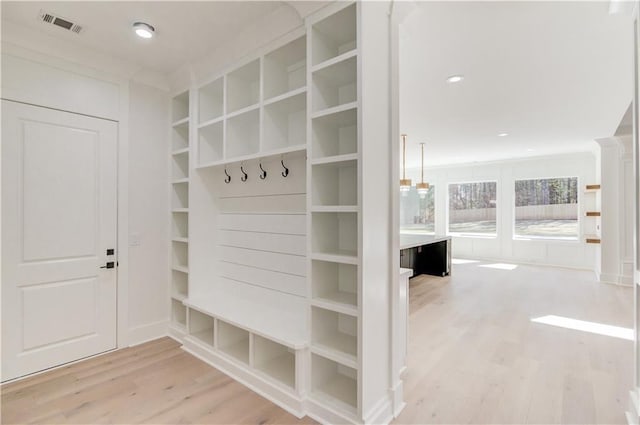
{"points": [[183, 122], [178, 313], [334, 35], [180, 167], [179, 226], [181, 240], [336, 159], [211, 142], [285, 96], [265, 155], [335, 134], [285, 123], [211, 100], [201, 327], [180, 107], [593, 239], [335, 284], [179, 285], [243, 86], [334, 208], [334, 335], [334, 233], [592, 188], [336, 114], [180, 196], [180, 181], [180, 210], [233, 341], [285, 68], [180, 254], [180, 151], [335, 60], [343, 257], [178, 297], [243, 134], [334, 384], [260, 316], [179, 268], [335, 183], [180, 135], [340, 302], [274, 360], [335, 85]]}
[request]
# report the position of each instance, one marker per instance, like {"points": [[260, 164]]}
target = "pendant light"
{"points": [[422, 186], [405, 183]]}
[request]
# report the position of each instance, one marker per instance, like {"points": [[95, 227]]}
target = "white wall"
{"points": [[504, 247], [148, 211]]}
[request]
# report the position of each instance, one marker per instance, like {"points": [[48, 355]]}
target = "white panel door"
{"points": [[58, 220]]}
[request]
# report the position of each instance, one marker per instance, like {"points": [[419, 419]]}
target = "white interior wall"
{"points": [[504, 247], [148, 207]]}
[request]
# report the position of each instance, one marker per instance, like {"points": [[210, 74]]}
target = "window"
{"points": [[417, 215], [547, 208], [472, 208]]}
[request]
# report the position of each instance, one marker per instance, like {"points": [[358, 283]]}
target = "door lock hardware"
{"points": [[109, 265]]}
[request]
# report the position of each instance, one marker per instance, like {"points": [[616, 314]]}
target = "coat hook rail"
{"points": [[285, 173], [228, 178]]}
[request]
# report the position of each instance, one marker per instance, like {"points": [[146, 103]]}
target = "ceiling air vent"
{"points": [[66, 24]]}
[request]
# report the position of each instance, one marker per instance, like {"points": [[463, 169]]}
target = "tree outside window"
{"points": [[472, 208], [546, 208]]}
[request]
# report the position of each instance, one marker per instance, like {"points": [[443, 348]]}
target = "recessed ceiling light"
{"points": [[455, 78], [143, 30], [503, 134]]}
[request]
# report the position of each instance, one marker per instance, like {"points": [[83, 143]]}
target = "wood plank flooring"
{"points": [[474, 357]]}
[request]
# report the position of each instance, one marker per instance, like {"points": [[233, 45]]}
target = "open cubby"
{"points": [[285, 123], [335, 85], [275, 360], [180, 165], [334, 282], [233, 341], [243, 86], [335, 183], [211, 100], [201, 326], [178, 313], [335, 233], [180, 195], [335, 332], [180, 107], [180, 254], [210, 142], [179, 284], [334, 35], [285, 68], [243, 134], [180, 225], [335, 134], [180, 136], [335, 383]]}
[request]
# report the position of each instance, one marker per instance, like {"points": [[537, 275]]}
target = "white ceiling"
{"points": [[185, 31], [554, 75]]}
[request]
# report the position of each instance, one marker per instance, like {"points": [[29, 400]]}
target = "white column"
{"points": [[616, 174]]}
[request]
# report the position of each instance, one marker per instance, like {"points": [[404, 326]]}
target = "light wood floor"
{"points": [[474, 357]]}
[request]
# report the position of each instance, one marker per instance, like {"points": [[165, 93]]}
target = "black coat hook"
{"points": [[244, 174], [228, 178], [263, 172], [285, 173]]}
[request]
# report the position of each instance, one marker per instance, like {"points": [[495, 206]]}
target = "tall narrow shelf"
{"points": [[285, 69], [243, 86], [179, 194], [591, 207], [334, 189]]}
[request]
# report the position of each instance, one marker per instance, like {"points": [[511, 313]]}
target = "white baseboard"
{"points": [[148, 332], [397, 396], [615, 279], [381, 413]]}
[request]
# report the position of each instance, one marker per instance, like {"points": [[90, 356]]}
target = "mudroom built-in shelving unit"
{"points": [[267, 250]]}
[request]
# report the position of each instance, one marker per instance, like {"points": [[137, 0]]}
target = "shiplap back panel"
{"points": [[261, 237]]}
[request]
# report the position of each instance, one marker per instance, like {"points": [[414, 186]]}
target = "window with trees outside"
{"points": [[546, 208], [472, 208], [417, 215]]}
